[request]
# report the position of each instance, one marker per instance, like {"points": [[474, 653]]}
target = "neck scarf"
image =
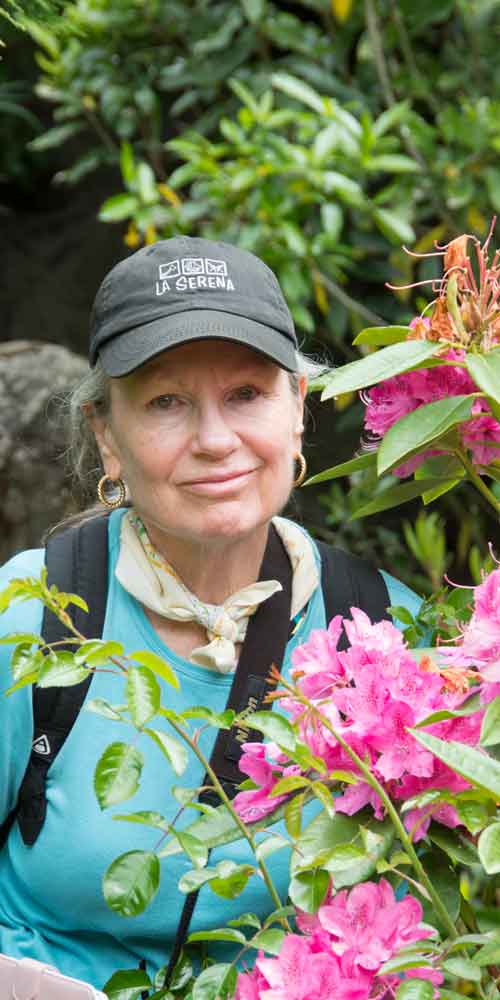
{"points": [[147, 575]]}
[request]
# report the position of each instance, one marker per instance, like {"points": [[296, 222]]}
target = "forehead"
{"points": [[221, 358]]}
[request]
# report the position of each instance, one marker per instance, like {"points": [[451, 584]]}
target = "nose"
{"points": [[213, 434]]}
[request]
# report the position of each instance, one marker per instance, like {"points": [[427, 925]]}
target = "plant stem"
{"points": [[476, 480], [245, 832], [440, 910]]}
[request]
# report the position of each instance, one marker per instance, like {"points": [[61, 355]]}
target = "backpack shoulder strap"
{"points": [[77, 562], [348, 581]]}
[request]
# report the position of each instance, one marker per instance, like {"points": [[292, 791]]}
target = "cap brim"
{"points": [[128, 351]]}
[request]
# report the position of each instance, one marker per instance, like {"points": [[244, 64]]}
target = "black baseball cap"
{"points": [[184, 289]]}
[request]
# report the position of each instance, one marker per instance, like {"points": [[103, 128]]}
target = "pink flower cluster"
{"points": [[341, 949], [392, 399], [480, 643], [371, 694]]}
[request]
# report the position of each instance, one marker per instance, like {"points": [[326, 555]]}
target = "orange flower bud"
{"points": [[456, 253]]}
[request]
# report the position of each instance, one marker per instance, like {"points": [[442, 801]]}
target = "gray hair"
{"points": [[83, 456]]}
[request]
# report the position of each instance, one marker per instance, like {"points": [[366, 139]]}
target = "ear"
{"points": [[106, 444], [300, 399]]}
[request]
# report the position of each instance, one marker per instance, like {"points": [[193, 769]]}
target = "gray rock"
{"points": [[35, 488]]}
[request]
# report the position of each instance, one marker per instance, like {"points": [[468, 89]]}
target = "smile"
{"points": [[219, 484]]}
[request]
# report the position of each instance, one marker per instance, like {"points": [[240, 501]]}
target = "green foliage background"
{"points": [[321, 134]]}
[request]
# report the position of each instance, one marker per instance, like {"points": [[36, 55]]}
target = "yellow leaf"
{"points": [[320, 295], [150, 236], [341, 9], [132, 238], [170, 195], [476, 220], [345, 399]]}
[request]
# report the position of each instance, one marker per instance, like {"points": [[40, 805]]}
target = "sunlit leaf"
{"points": [[131, 882], [117, 774]]}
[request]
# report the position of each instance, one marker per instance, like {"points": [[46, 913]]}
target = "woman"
{"points": [[195, 400]]}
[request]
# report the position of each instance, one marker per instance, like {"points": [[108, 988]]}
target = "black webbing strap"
{"points": [[77, 561], [264, 646], [348, 581]]}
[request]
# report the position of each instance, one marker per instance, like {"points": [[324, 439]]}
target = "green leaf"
{"points": [[293, 815], [157, 665], [61, 670], [394, 163], [393, 227], [289, 784], [254, 10], [173, 750], [307, 890], [489, 849], [299, 90], [343, 857], [213, 829], [225, 934], [484, 369], [245, 920], [54, 137], [490, 728], [127, 164], [423, 426], [131, 882], [26, 660], [274, 842], [488, 955], [117, 774], [27, 679], [146, 183], [380, 336], [377, 367], [99, 706], [463, 968], [332, 218], [215, 982], [274, 727], [143, 695], [21, 637], [118, 207], [364, 461], [194, 848], [460, 850], [232, 885], [269, 940], [127, 984], [395, 495], [482, 771], [144, 818], [94, 652], [415, 989]]}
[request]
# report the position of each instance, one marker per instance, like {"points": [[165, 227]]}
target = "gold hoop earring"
{"points": [[111, 501], [303, 469]]}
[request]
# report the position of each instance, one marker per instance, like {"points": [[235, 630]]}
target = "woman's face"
{"points": [[204, 436]]}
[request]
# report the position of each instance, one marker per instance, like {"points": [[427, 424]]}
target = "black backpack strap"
{"points": [[348, 581], [264, 647], [77, 562]]}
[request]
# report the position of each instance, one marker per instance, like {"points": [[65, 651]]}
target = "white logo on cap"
{"points": [[193, 273]]}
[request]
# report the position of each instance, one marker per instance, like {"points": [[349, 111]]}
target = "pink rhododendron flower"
{"points": [[372, 694], [340, 949], [480, 643]]}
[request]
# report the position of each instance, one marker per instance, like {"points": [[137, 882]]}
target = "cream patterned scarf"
{"points": [[147, 575]]}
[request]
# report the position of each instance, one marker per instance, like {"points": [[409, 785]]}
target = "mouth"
{"points": [[219, 482]]}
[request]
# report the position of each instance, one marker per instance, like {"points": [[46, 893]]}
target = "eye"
{"points": [[245, 393], [165, 402]]}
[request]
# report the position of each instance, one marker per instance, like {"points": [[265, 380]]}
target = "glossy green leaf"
{"points": [[99, 706], [157, 665], [270, 940], [415, 989], [25, 660], [245, 920], [15, 638], [299, 90], [171, 748], [215, 982], [272, 843], [232, 885], [393, 226], [422, 427], [377, 367], [274, 727], [224, 934], [382, 336], [146, 183], [458, 848], [144, 818], [289, 784], [143, 695], [30, 678], [484, 369], [293, 815], [490, 728], [489, 848], [118, 207], [61, 670], [94, 652], [128, 984], [482, 771], [463, 968], [117, 774], [489, 954], [55, 136], [195, 849], [365, 461], [214, 829], [395, 495], [307, 890], [131, 882]]}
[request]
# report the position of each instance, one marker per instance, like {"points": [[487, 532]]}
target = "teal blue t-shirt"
{"points": [[51, 903]]}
